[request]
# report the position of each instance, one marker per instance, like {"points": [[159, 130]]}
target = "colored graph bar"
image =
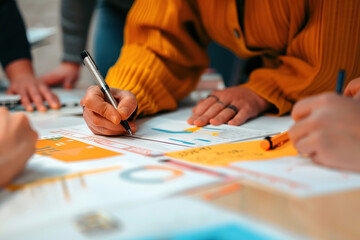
{"points": [[16, 187], [178, 140]]}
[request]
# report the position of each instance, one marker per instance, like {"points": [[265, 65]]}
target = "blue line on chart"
{"points": [[210, 128], [169, 131], [204, 140], [189, 143]]}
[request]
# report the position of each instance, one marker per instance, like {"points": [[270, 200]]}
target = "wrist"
{"points": [[19, 70]]}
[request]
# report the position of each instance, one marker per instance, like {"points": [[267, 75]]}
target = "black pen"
{"points": [[90, 64]]}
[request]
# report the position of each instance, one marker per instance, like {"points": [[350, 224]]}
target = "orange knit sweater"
{"points": [[303, 43]]}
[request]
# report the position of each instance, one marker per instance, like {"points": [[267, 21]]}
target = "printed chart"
{"points": [[122, 143], [70, 150], [183, 134]]}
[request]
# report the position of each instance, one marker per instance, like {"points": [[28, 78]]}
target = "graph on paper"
{"points": [[70, 150], [181, 133]]}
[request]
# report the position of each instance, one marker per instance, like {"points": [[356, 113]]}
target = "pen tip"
{"points": [[129, 131]]}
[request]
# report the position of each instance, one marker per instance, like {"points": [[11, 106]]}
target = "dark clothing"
{"points": [[13, 41]]}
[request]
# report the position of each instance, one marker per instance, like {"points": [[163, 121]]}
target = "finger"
{"points": [[110, 132], [36, 97], [306, 106], [303, 108], [127, 102], [224, 116], [357, 96], [352, 88], [301, 129], [199, 103], [212, 111], [25, 101], [102, 126], [50, 97], [242, 116], [306, 145], [94, 101], [11, 91], [203, 106]]}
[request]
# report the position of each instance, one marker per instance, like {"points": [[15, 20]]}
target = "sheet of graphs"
{"points": [[183, 134]]}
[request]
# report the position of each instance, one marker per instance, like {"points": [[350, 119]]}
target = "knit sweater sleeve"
{"points": [[75, 21], [163, 56], [319, 46]]}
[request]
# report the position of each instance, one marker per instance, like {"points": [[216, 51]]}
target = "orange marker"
{"points": [[276, 141]]}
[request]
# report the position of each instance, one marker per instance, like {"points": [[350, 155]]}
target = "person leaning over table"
{"points": [[75, 23], [15, 58], [327, 128], [17, 144], [303, 45]]}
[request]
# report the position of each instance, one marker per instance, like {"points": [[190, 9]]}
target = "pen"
{"points": [[340, 82], [278, 140], [275, 141], [90, 64]]}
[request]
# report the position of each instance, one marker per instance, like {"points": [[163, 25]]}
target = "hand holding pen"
{"points": [[106, 110]]}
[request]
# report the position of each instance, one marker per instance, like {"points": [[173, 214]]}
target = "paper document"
{"points": [[298, 176], [50, 187], [224, 154], [183, 134], [172, 218], [116, 143]]}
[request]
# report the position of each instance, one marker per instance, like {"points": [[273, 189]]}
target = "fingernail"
{"points": [[123, 111], [115, 120], [42, 109]]}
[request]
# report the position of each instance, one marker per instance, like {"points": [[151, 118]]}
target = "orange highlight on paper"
{"points": [[70, 150]]}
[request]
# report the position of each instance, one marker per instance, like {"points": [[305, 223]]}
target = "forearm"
{"points": [[75, 20], [160, 62]]}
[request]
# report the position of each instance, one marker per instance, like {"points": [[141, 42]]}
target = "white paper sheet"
{"points": [[164, 219], [183, 134], [49, 188], [298, 176], [116, 143]]}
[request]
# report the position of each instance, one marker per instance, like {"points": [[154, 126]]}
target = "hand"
{"points": [[101, 117], [31, 90], [327, 129], [353, 89], [67, 73], [23, 82], [17, 144], [216, 111]]}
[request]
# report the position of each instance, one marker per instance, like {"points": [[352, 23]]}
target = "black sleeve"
{"points": [[13, 41]]}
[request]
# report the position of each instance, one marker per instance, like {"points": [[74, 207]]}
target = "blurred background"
{"points": [[47, 54]]}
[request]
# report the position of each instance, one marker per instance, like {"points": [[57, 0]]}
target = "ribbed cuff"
{"points": [[141, 72], [269, 90]]}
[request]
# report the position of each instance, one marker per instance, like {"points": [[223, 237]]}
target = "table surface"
{"points": [[324, 217]]}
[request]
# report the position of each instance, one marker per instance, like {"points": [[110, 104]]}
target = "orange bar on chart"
{"points": [[70, 150]]}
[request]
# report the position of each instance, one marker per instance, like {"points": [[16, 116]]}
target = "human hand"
{"points": [[353, 89], [67, 73], [327, 130], [17, 144], [233, 105], [101, 117], [31, 90]]}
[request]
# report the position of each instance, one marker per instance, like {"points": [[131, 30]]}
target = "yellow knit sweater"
{"points": [[303, 44]]}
